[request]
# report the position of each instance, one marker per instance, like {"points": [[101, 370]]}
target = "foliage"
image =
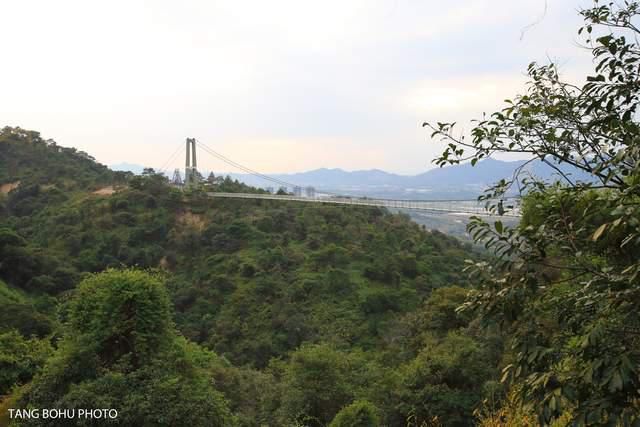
{"points": [[317, 382], [121, 313], [512, 412], [120, 351], [358, 414], [27, 158], [564, 282], [229, 185], [20, 359], [24, 313], [310, 308], [442, 381]]}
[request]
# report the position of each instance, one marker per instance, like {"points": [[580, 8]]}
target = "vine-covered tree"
{"points": [[566, 281], [120, 350]]}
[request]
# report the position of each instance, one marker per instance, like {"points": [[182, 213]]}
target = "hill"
{"points": [[312, 306], [27, 158]]}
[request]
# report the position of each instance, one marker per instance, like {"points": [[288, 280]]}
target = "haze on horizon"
{"points": [[281, 86]]}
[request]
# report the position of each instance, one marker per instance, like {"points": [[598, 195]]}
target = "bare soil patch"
{"points": [[192, 220], [5, 188], [105, 191]]}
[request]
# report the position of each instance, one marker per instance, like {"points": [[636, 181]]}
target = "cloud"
{"points": [[339, 83], [276, 155], [461, 95]]}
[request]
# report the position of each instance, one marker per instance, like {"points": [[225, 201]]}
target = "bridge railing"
{"points": [[472, 207]]}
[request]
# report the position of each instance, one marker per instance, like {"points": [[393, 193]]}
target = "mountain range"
{"points": [[447, 182]]}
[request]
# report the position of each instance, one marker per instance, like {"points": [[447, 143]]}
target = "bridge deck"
{"points": [[471, 207]]}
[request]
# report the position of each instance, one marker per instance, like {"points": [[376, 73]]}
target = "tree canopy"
{"points": [[120, 350], [258, 312], [565, 283]]}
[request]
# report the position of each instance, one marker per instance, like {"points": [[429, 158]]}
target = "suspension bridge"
{"points": [[508, 207]]}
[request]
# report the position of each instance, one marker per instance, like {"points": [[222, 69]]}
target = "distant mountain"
{"points": [[447, 182], [127, 167], [490, 171], [458, 181], [337, 177], [484, 173]]}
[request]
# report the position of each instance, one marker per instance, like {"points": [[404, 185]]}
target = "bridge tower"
{"points": [[177, 178], [191, 165]]}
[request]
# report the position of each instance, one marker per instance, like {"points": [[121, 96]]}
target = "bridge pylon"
{"points": [[191, 166], [177, 178]]}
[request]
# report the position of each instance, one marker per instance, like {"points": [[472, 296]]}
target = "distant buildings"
{"points": [[297, 191], [310, 192]]}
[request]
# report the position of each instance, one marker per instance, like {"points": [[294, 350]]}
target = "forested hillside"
{"points": [[28, 158], [174, 308], [294, 312]]}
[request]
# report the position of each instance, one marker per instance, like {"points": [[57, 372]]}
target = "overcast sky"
{"points": [[280, 86]]}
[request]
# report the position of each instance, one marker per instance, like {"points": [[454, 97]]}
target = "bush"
{"points": [[358, 414]]}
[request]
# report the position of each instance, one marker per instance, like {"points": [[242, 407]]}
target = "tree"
{"points": [[438, 315], [358, 414], [445, 380], [151, 182], [564, 281], [316, 384], [120, 350]]}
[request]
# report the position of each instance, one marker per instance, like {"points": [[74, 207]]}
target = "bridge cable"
{"points": [[243, 168], [247, 169], [288, 184], [166, 164]]}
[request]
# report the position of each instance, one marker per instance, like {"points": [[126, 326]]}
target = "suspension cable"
{"points": [[171, 158], [245, 168]]}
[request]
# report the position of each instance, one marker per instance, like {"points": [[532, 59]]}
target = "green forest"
{"points": [[175, 308], [271, 313]]}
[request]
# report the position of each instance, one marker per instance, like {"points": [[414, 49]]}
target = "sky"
{"points": [[278, 86]]}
